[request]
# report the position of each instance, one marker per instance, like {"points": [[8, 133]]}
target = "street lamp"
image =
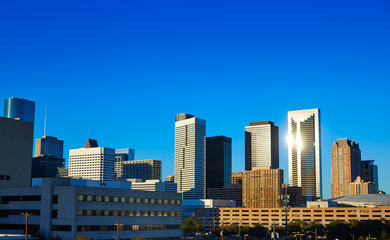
{"points": [[285, 200], [117, 228], [26, 215]]}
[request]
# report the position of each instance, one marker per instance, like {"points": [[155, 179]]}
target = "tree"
{"points": [[190, 226], [82, 237]]}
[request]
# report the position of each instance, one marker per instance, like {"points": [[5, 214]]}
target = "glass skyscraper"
{"points": [[218, 161], [19, 108], [304, 152]]}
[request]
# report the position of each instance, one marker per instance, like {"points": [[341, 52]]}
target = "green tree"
{"points": [[190, 226]]}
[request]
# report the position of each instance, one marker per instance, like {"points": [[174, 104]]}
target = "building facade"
{"points": [[218, 161], [304, 152], [262, 187], [359, 187], [67, 208], [19, 108], [94, 163], [261, 145], [46, 166], [142, 169], [121, 155], [228, 192], [216, 217], [16, 143], [49, 146], [346, 166], [237, 177], [369, 173], [190, 156], [154, 185]]}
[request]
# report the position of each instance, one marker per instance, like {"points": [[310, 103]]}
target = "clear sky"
{"points": [[119, 71]]}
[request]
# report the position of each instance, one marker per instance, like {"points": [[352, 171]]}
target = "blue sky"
{"points": [[120, 71]]}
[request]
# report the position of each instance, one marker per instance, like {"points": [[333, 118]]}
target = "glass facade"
{"points": [[19, 108]]}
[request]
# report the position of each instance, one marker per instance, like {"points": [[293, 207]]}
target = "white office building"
{"points": [[190, 156], [261, 145], [304, 152], [94, 163], [153, 185]]}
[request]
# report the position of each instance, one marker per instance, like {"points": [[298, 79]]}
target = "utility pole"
{"points": [[117, 228], [285, 198], [26, 215]]}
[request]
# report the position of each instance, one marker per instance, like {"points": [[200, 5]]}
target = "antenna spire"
{"points": [[44, 131]]}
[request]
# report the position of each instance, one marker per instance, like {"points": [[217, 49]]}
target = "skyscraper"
{"points": [[121, 155], [49, 146], [304, 152], [16, 143], [190, 154], [261, 145], [369, 173], [92, 162], [346, 158], [19, 108], [218, 161], [142, 169], [262, 187]]}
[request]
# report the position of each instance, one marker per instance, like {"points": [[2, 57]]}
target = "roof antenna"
{"points": [[44, 131]]}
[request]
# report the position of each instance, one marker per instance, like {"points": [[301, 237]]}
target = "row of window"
{"points": [[90, 198], [7, 199], [4, 213], [5, 177], [126, 227], [127, 213]]}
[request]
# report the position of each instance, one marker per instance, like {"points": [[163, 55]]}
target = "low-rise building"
{"points": [[154, 185], [72, 207]]}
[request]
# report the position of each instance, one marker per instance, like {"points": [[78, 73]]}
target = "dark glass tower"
{"points": [[218, 161], [19, 108], [369, 173]]}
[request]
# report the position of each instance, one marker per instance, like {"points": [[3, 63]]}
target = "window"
{"points": [[54, 213], [55, 199]]}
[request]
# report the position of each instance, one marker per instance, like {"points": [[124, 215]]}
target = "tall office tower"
{"points": [[304, 152], [16, 143], [142, 169], [49, 146], [262, 187], [92, 162], [237, 178], [218, 161], [261, 145], [359, 187], [190, 154], [46, 166], [346, 166], [121, 155], [369, 173], [19, 108]]}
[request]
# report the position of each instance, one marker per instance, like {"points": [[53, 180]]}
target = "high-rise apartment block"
{"points": [[361, 187], [19, 108], [218, 161], [369, 173], [142, 169], [304, 152], [92, 162], [261, 145], [190, 154], [346, 158], [49, 146], [121, 155], [262, 187], [16, 143]]}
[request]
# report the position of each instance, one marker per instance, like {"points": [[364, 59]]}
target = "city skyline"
{"points": [[228, 63]]}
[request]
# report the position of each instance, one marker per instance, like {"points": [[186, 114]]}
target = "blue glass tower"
{"points": [[19, 108]]}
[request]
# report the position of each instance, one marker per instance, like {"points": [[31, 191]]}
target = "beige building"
{"points": [[215, 217], [237, 178], [360, 187], [16, 145], [142, 169], [261, 187]]}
